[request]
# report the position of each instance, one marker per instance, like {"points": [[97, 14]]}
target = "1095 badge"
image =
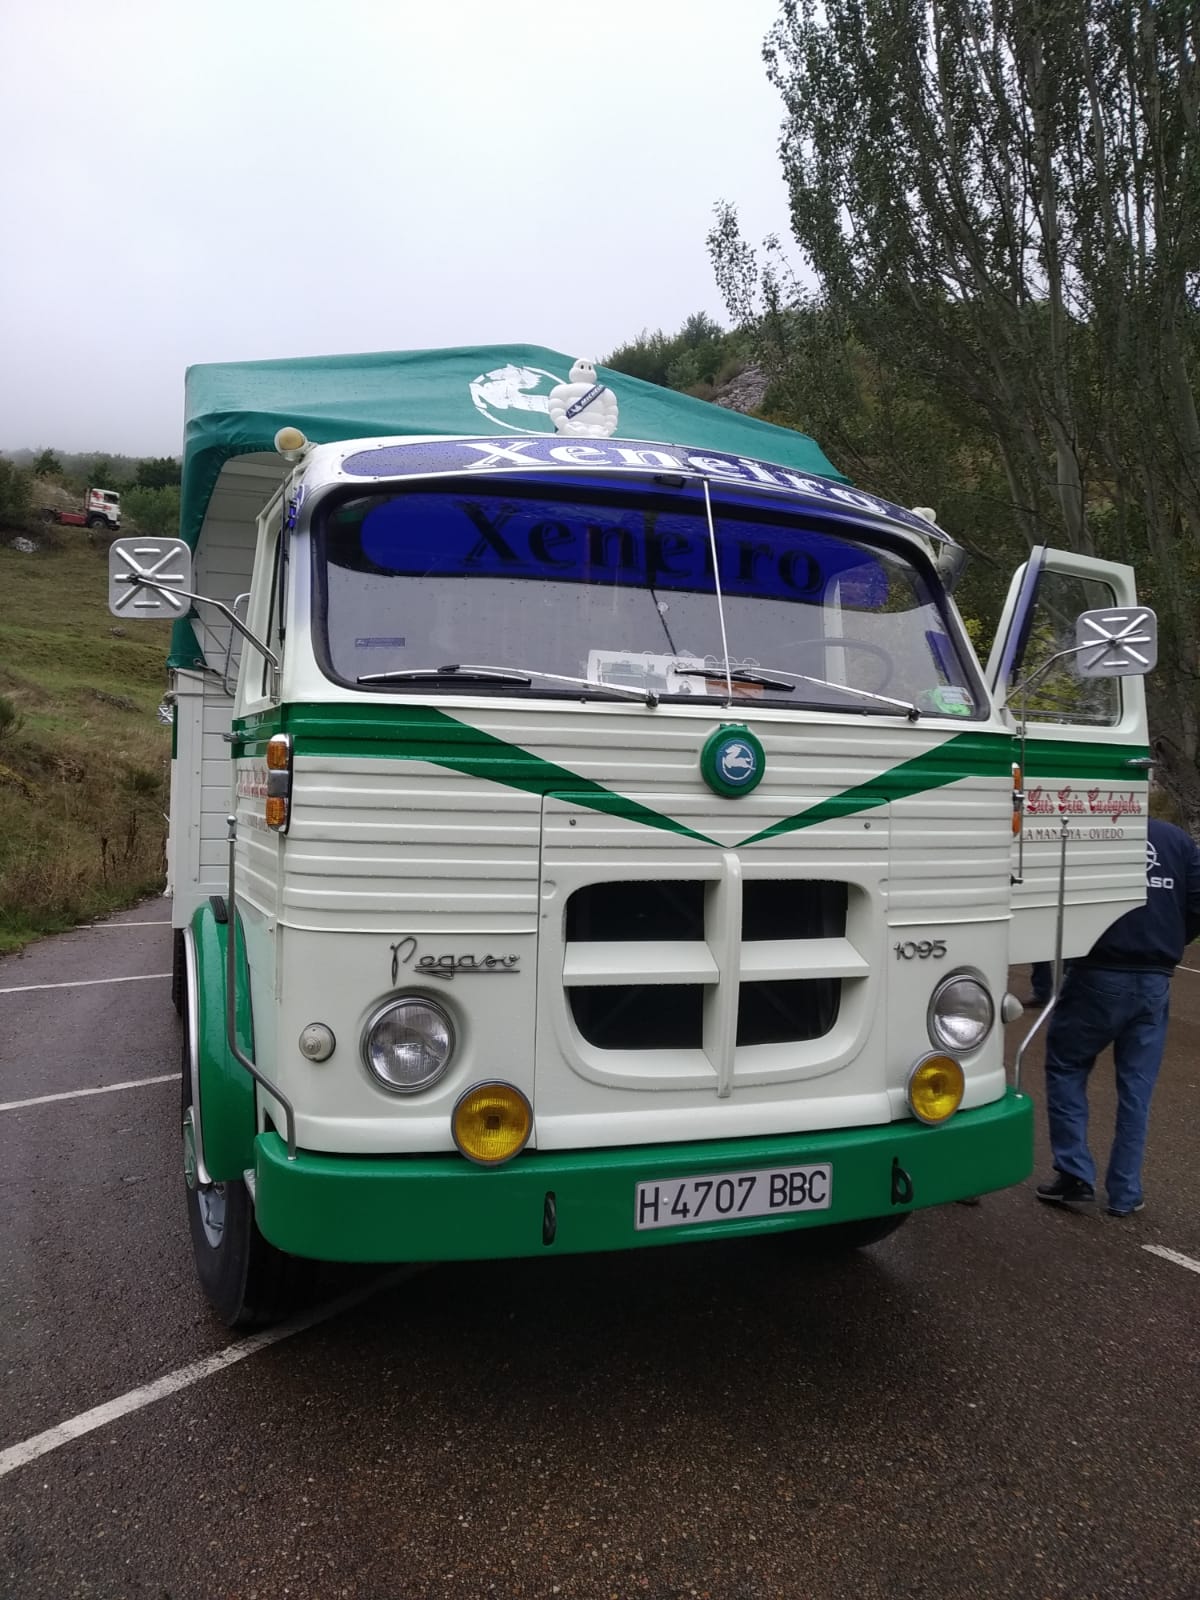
{"points": [[732, 761]]}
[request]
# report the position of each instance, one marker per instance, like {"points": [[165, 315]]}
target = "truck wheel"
{"points": [[179, 977], [247, 1281], [96, 522], [842, 1237]]}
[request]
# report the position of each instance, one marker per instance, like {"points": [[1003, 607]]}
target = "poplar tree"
{"points": [[1001, 199]]}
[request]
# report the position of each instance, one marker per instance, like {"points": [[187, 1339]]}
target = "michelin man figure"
{"points": [[583, 407]]}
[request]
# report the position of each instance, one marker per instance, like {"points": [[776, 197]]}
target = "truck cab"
{"points": [[102, 506], [586, 839]]}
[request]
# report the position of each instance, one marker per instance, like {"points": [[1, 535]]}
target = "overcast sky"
{"points": [[230, 181]]}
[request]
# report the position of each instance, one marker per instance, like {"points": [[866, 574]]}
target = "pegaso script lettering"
{"points": [[406, 952]]}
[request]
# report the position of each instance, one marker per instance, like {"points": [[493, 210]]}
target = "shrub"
{"points": [[16, 495], [11, 720], [152, 510]]}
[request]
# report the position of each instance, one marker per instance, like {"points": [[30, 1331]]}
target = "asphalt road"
{"points": [[999, 1401]]}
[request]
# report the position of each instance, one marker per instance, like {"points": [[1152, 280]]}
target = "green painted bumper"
{"points": [[442, 1208]]}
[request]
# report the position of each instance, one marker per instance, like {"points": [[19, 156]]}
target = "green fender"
{"points": [[228, 1122]]}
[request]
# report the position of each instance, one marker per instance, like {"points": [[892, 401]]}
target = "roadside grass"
{"points": [[84, 762]]}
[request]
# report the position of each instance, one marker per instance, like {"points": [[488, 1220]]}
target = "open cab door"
{"points": [[1066, 671]]}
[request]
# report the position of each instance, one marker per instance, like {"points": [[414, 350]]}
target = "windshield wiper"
{"points": [[439, 674], [715, 673], [761, 680], [518, 677]]}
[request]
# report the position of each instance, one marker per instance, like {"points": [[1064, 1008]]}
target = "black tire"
{"points": [[178, 974], [842, 1237], [97, 522], [246, 1280]]}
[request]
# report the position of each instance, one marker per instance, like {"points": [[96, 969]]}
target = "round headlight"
{"points": [[935, 1088], [491, 1123], [408, 1043], [961, 1013]]}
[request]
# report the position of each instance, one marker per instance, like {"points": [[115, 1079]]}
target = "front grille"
{"points": [[787, 908], [668, 933], [788, 1011], [635, 911], [641, 1016]]}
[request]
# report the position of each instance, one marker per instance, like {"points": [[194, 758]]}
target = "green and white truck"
{"points": [[590, 825]]}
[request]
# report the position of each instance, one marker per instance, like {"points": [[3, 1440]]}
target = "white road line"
{"points": [[76, 1094], [1173, 1255], [84, 983], [18, 1455]]}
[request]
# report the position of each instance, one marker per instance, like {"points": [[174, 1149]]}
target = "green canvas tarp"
{"points": [[236, 408]]}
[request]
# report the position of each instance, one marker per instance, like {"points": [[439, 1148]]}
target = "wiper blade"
{"points": [[906, 706], [762, 680], [442, 674], [716, 673], [519, 677]]}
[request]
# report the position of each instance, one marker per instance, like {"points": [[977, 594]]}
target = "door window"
{"points": [[1059, 694]]}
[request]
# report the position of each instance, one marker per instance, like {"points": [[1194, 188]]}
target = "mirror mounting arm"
{"points": [[1026, 684], [226, 611]]}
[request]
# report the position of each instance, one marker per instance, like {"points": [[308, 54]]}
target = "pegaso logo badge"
{"points": [[732, 762], [1154, 878], [515, 397]]}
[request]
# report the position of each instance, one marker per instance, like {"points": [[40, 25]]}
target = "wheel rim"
{"points": [[212, 1213], [210, 1201]]}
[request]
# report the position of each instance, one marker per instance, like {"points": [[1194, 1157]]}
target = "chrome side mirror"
{"points": [[1116, 642], [149, 577]]}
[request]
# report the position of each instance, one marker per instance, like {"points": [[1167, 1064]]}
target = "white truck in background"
{"points": [[101, 509]]}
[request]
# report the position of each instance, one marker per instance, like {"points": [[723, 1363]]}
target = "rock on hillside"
{"points": [[745, 393]]}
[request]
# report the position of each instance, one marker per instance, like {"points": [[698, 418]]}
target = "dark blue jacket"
{"points": [[1152, 938]]}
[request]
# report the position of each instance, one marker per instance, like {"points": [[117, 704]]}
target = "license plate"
{"points": [[723, 1197]]}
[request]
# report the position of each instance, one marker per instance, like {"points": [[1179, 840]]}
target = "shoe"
{"points": [[1066, 1191], [1037, 1003], [1126, 1211]]}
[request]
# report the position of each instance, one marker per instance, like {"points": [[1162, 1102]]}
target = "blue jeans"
{"points": [[1128, 1010], [1041, 980]]}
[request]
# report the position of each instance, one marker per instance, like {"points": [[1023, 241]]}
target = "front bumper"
{"points": [[442, 1208]]}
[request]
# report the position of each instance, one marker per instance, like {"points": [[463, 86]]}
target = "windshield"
{"points": [[612, 586]]}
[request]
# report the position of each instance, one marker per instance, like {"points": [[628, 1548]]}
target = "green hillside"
{"points": [[83, 757]]}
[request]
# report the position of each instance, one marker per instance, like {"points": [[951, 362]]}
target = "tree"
{"points": [[159, 472], [16, 495], [1001, 198], [153, 511], [695, 358], [46, 465]]}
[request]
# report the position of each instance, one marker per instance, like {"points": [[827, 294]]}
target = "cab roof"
{"points": [[236, 408]]}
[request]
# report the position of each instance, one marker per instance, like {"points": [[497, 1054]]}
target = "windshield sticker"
{"points": [[948, 700], [441, 534], [543, 453]]}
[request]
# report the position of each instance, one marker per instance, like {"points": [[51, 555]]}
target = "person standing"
{"points": [[1119, 994], [1041, 984]]}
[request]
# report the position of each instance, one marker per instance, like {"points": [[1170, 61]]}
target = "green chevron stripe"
{"points": [[1084, 763], [425, 733], [963, 755]]}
